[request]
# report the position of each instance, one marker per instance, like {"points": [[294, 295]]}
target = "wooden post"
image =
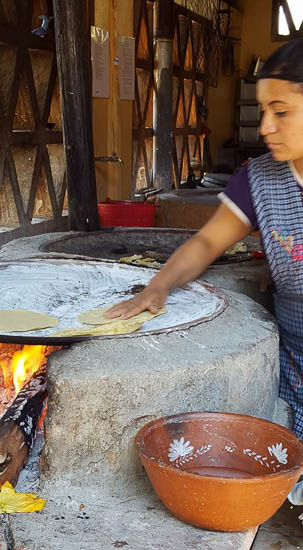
{"points": [[72, 29], [163, 104]]}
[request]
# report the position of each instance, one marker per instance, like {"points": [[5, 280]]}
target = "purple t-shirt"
{"points": [[237, 197]]}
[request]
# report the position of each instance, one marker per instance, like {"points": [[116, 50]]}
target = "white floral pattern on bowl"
{"points": [[179, 449], [181, 452], [278, 452]]}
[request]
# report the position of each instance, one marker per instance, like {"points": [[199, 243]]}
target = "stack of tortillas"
{"points": [[102, 325]]}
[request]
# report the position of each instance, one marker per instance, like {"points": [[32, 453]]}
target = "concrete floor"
{"points": [[284, 531]]}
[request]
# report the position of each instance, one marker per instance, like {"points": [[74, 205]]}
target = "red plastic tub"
{"points": [[126, 213]]}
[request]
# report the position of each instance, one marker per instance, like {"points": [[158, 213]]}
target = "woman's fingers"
{"points": [[133, 310], [116, 311], [150, 300], [129, 308]]}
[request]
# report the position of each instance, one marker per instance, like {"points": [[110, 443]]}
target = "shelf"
{"points": [[247, 102], [248, 123], [249, 79], [246, 145], [250, 146]]}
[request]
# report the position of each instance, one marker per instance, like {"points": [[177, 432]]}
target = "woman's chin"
{"points": [[278, 155]]}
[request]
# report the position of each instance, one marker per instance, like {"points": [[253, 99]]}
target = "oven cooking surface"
{"points": [[65, 288]]}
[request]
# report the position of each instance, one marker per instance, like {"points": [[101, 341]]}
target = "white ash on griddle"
{"points": [[67, 288]]}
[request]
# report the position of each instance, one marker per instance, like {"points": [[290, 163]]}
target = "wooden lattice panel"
{"points": [[32, 165], [143, 106], [293, 21], [189, 91], [191, 45]]}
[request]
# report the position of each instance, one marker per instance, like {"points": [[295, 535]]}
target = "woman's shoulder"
{"points": [[237, 197]]}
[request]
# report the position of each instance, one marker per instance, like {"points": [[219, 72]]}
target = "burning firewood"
{"points": [[25, 368], [7, 352], [18, 426]]}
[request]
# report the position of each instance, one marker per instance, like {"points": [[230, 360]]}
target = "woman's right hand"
{"points": [[187, 262], [152, 298]]}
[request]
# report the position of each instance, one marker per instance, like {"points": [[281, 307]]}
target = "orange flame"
{"points": [[25, 363]]}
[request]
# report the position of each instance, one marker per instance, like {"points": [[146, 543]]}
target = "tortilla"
{"points": [[119, 327], [96, 316], [236, 248], [22, 320], [107, 326], [141, 260]]}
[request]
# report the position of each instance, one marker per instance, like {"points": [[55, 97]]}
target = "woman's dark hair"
{"points": [[286, 63]]}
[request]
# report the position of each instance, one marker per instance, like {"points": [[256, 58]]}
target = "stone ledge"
{"points": [[134, 523]]}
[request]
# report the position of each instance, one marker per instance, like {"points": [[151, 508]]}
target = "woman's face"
{"points": [[282, 121]]}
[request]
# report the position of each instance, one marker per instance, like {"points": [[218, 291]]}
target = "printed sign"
{"points": [[126, 54], [100, 62]]}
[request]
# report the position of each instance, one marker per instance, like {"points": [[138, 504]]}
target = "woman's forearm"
{"points": [[191, 259], [187, 263]]}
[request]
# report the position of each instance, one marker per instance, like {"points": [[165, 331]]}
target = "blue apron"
{"points": [[278, 203]]}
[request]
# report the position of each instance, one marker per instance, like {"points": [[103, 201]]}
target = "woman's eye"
{"points": [[281, 114]]}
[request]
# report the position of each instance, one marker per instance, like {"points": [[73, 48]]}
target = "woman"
{"points": [[266, 195]]}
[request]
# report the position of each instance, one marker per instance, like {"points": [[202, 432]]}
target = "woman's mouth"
{"points": [[273, 145]]}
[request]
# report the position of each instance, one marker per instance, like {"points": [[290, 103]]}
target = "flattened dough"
{"points": [[120, 327], [22, 320], [108, 326], [96, 316]]}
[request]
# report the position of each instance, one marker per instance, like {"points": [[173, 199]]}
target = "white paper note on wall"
{"points": [[100, 62], [126, 53]]}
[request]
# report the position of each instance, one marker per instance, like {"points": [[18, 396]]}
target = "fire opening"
{"points": [[18, 364], [23, 403]]}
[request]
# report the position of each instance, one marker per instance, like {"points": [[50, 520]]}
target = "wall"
{"points": [[221, 99], [113, 117], [221, 110], [256, 37], [256, 40]]}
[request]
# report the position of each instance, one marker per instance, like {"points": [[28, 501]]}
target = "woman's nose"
{"points": [[268, 125]]}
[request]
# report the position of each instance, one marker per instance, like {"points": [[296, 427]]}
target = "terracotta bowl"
{"points": [[220, 471]]}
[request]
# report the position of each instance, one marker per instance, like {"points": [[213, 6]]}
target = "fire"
{"points": [[25, 363], [18, 365]]}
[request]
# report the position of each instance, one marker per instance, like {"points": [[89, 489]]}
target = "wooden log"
{"points": [[72, 30], [13, 452], [18, 426]]}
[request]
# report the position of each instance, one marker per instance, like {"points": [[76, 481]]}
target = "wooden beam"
{"points": [[9, 34], [72, 30], [234, 4], [164, 19], [289, 19], [20, 137], [163, 76]]}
